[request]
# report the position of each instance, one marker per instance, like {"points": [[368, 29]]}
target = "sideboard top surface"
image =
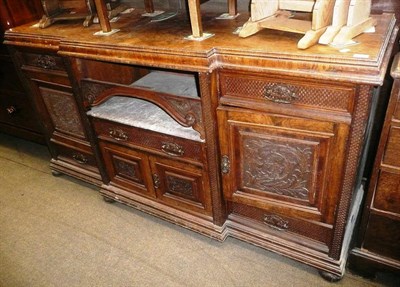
{"points": [[143, 42]]}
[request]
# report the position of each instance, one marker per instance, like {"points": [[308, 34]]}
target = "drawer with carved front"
{"points": [[259, 92], [43, 61]]}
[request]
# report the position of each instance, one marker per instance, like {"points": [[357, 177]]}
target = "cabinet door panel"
{"points": [[283, 164], [63, 111], [127, 168], [181, 185]]}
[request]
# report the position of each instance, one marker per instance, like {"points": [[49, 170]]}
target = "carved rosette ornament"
{"points": [[90, 92], [180, 186], [46, 62], [279, 93], [276, 222], [277, 168]]}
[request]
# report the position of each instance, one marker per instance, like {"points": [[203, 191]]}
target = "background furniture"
{"points": [[16, 114], [378, 241]]}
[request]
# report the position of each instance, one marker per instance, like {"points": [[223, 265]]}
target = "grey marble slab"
{"points": [[171, 83], [142, 114]]}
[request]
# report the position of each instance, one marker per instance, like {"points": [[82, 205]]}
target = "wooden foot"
{"points": [[330, 33], [330, 277], [108, 199], [249, 28], [56, 173], [45, 22], [349, 32], [310, 38]]}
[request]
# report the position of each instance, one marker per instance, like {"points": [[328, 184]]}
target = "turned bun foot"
{"points": [[108, 199], [56, 173], [330, 277]]}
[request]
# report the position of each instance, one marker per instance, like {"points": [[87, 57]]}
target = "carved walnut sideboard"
{"points": [[249, 138]]}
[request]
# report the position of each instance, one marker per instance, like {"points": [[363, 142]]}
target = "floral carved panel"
{"points": [[279, 168]]}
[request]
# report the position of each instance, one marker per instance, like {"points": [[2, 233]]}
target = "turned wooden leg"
{"points": [[330, 277]]}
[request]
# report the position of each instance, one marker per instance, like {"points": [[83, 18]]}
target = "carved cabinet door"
{"points": [[127, 168], [282, 165], [181, 185]]}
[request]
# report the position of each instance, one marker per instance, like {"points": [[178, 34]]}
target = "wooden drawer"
{"points": [[392, 152], [76, 156], [387, 196], [293, 229], [237, 88], [15, 109], [171, 146], [383, 236], [43, 61]]}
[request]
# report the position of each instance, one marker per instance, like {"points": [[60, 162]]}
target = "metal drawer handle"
{"points": [[276, 222], [118, 134], [225, 164], [279, 94], [156, 180], [173, 149], [80, 158], [11, 110]]}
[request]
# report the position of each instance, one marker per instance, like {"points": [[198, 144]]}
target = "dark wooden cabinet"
{"points": [[378, 241], [17, 116], [249, 138]]}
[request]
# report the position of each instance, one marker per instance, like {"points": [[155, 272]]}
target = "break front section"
{"points": [[289, 153]]}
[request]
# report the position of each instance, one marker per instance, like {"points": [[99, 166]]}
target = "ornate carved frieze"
{"points": [[278, 168], [191, 111]]}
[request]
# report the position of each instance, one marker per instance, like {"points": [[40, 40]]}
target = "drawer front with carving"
{"points": [[237, 89], [43, 61], [164, 144], [282, 165], [181, 185], [127, 168]]}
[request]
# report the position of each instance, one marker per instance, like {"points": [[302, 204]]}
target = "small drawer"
{"points": [[43, 61], [288, 227], [392, 152], [171, 146], [382, 236], [387, 197], [76, 157], [15, 109], [238, 88]]}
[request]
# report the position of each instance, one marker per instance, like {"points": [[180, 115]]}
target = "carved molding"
{"points": [[278, 168]]}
